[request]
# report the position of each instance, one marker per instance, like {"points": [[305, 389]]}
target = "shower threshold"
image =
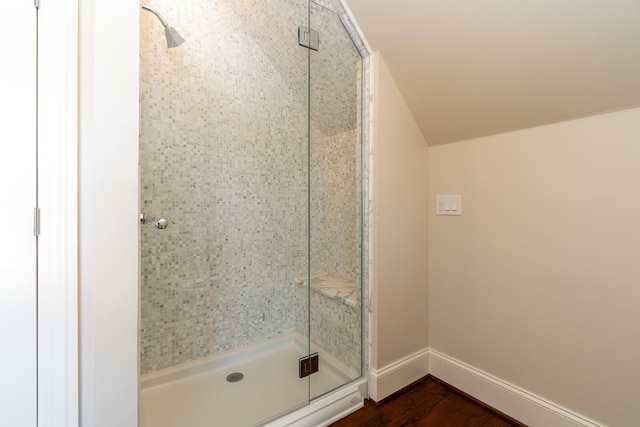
{"points": [[198, 394]]}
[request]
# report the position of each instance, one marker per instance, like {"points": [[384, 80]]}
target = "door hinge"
{"points": [[36, 3], [36, 222], [308, 38], [308, 365]]}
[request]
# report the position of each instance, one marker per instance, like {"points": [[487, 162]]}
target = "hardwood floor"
{"points": [[431, 403]]}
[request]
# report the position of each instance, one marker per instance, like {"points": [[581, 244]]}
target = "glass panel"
{"points": [[336, 195], [224, 160]]}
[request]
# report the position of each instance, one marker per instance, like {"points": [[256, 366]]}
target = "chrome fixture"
{"points": [[160, 224], [144, 218], [173, 38], [308, 37]]}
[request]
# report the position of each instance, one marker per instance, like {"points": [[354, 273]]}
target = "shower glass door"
{"points": [[250, 208], [335, 216]]}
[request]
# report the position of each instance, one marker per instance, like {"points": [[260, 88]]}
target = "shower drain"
{"points": [[235, 377]]}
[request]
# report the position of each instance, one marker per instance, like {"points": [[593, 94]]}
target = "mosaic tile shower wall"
{"points": [[335, 213], [223, 157]]}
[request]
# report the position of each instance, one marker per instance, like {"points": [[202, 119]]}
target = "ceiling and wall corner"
{"points": [[472, 69]]}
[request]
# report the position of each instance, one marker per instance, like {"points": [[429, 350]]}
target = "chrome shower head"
{"points": [[173, 38]]}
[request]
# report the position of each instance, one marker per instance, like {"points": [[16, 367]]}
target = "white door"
{"points": [[18, 357]]}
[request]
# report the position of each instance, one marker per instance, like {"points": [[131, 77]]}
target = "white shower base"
{"points": [[198, 394]]}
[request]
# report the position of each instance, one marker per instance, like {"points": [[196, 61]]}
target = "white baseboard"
{"points": [[513, 401], [509, 399], [394, 377]]}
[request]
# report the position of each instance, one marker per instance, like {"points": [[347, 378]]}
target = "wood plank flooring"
{"points": [[431, 403]]}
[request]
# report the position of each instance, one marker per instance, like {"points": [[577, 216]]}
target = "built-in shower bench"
{"points": [[332, 287]]}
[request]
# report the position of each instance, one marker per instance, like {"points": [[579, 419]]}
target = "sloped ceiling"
{"points": [[471, 68]]}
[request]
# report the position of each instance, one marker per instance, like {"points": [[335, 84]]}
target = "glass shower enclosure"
{"points": [[251, 210]]}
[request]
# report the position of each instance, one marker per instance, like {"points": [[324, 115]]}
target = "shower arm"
{"points": [[155, 12]]}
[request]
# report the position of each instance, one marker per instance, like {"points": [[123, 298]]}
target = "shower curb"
{"points": [[327, 409]]}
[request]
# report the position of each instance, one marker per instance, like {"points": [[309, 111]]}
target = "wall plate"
{"points": [[449, 205]]}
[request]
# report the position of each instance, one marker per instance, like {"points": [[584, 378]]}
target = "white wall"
{"points": [[108, 200], [399, 240], [537, 282]]}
